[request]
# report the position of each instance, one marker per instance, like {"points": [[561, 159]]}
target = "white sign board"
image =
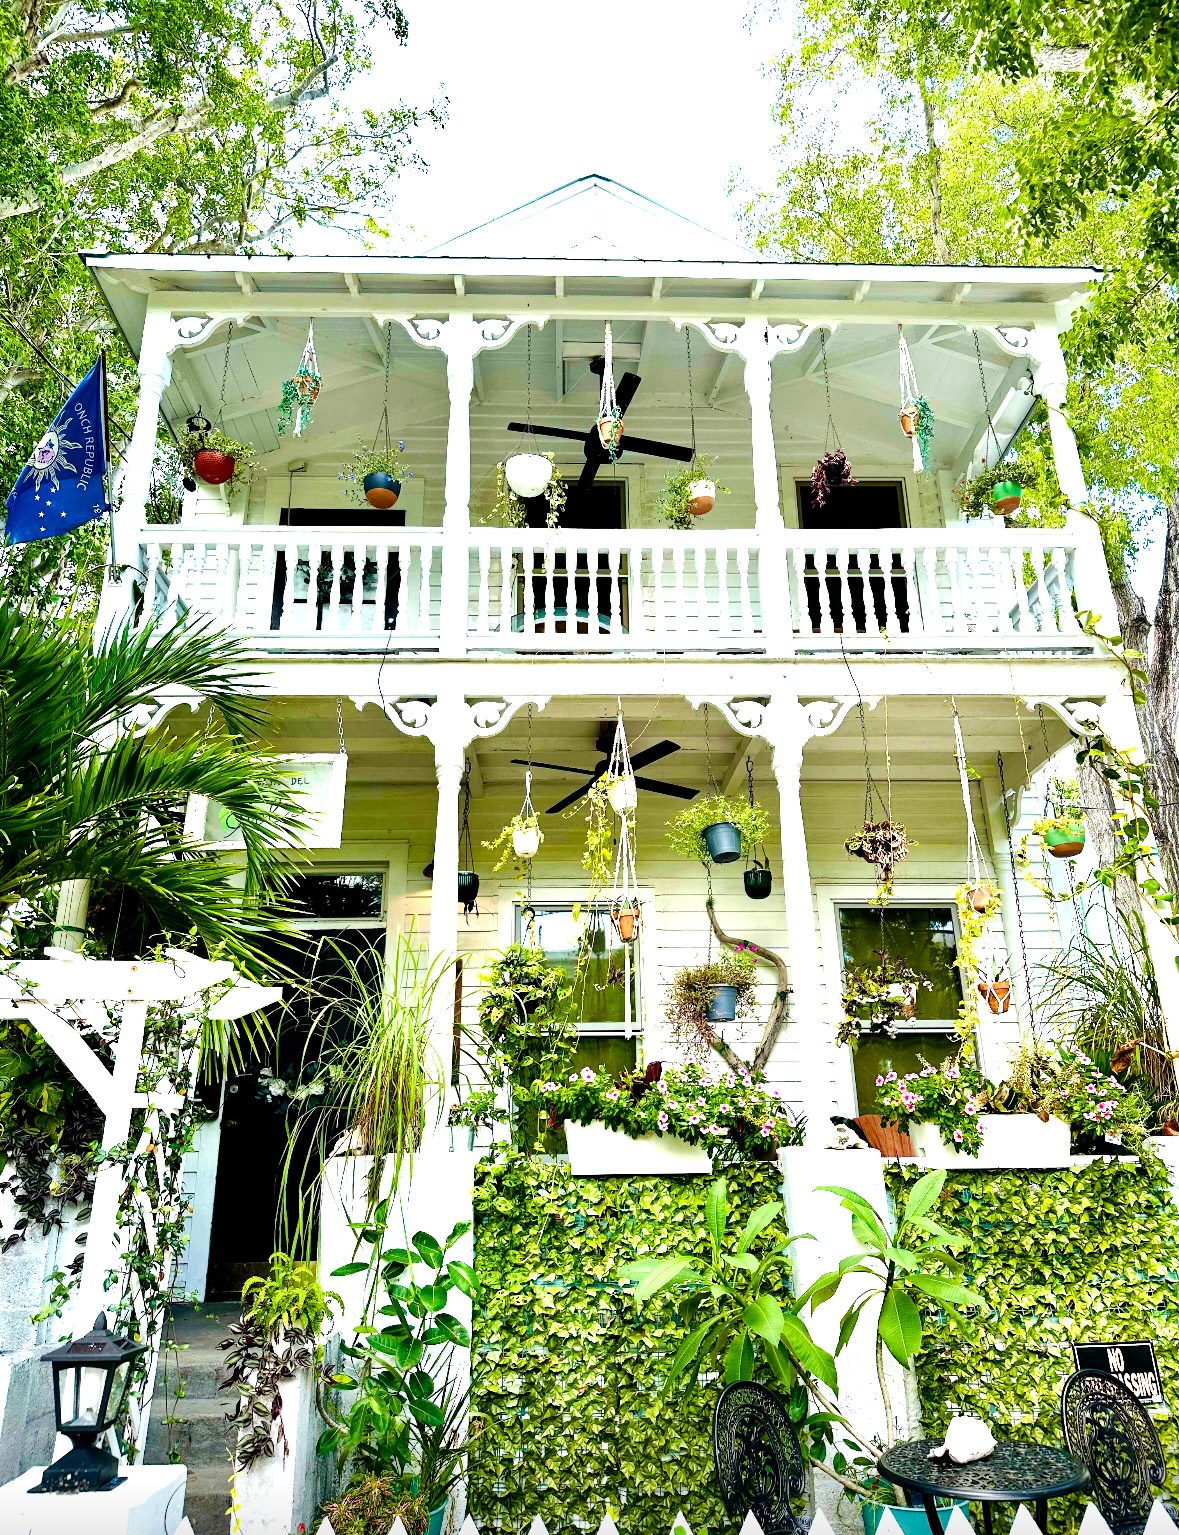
{"points": [[318, 778]]}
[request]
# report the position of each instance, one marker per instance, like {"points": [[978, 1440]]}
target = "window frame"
{"points": [[595, 1028], [336, 867]]}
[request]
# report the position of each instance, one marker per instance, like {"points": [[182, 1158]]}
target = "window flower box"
{"points": [[597, 1151], [1008, 1140]]}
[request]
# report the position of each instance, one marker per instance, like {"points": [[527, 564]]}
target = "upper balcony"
{"points": [[760, 367]]}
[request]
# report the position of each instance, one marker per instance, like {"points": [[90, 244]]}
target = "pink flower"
{"points": [[952, 1072], [879, 1081], [663, 1121], [716, 1130], [549, 1087], [588, 1074], [573, 1077], [694, 1119], [612, 1095], [957, 1135], [672, 1104], [767, 1129], [724, 1108], [892, 1076], [661, 1088]]}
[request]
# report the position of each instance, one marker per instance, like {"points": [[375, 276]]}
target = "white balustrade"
{"points": [[622, 592]]}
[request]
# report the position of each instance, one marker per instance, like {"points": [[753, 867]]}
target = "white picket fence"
{"points": [[1159, 1523]]}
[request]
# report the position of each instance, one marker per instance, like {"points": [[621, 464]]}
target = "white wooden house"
{"points": [[458, 645]]}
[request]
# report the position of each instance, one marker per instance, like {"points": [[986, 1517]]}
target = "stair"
{"points": [[198, 1436]]}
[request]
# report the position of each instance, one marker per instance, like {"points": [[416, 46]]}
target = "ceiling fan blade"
{"points": [[557, 767], [571, 799], [592, 465], [658, 449], [626, 389], [657, 786], [547, 431], [654, 753]]}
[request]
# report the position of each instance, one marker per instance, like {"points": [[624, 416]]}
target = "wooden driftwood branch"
{"points": [[777, 1016]]}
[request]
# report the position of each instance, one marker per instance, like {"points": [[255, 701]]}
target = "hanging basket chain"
{"points": [[982, 379], [224, 377], [691, 392], [832, 432], [712, 783]]}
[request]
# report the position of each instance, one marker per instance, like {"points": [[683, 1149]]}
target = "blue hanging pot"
{"points": [[381, 490], [723, 841], [723, 1006]]}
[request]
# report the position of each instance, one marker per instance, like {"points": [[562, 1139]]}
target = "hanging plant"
{"points": [[211, 456], [878, 998], [609, 415], [883, 844], [831, 473], [468, 880], [995, 989], [622, 794], [690, 492], [1062, 834], [521, 838], [375, 474], [716, 828], [510, 510], [998, 489], [300, 393], [916, 412], [701, 996]]}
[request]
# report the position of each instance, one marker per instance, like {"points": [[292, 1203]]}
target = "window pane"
{"points": [[340, 896], [922, 936], [612, 968]]}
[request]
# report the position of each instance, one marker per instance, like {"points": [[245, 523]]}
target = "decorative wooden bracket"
{"points": [[777, 1016]]}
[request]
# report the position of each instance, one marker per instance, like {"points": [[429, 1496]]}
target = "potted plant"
{"points": [[610, 432], [883, 844], [716, 992], [528, 474], [474, 1111], [626, 917], [375, 475], [759, 879], [211, 456], [622, 792], [468, 888], [1062, 834], [1067, 1087], [690, 492], [678, 1119], [519, 841], [831, 473], [995, 990], [982, 897], [878, 998], [509, 508], [718, 829], [996, 488]]}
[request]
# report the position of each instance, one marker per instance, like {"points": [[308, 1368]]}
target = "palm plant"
{"points": [[89, 792]]}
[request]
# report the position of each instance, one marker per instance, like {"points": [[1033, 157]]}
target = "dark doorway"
{"points": [[256, 1124], [597, 507], [870, 504], [340, 517]]}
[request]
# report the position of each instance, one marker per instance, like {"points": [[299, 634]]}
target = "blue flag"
{"points": [[63, 484]]}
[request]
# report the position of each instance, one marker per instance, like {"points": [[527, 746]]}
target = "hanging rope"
{"points": [[974, 855], [300, 393], [1023, 945], [625, 910], [832, 433], [609, 416], [916, 414]]}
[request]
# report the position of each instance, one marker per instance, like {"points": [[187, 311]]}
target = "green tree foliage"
{"points": [[84, 794]]}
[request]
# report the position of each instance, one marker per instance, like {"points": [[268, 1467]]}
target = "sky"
{"points": [[667, 96]]}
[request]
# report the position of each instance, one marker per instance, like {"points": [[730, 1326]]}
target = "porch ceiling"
{"points": [[916, 732]]}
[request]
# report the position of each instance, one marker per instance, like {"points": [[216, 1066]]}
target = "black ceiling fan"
{"points": [[595, 453], [605, 744]]}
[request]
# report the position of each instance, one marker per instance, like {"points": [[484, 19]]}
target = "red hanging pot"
{"points": [[213, 466]]}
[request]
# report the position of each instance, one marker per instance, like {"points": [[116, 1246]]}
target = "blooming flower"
{"points": [[957, 1135], [724, 1108], [588, 1074], [767, 1129], [663, 1121], [879, 1081], [694, 1119], [612, 1095], [548, 1087], [892, 1076]]}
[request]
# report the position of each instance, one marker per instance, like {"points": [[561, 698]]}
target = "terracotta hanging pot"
{"points": [[909, 420], [701, 497], [213, 466], [626, 921], [381, 490], [610, 432], [1065, 841], [980, 898], [996, 994]]}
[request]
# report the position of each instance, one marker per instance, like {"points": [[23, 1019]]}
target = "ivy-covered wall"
{"points": [[566, 1373], [1085, 1255]]}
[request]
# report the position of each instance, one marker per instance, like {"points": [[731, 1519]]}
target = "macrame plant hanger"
{"points": [[609, 415], [975, 867], [916, 415], [300, 393], [625, 910]]}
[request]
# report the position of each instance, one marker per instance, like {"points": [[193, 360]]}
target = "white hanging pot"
{"points": [[701, 497], [526, 841], [528, 473], [623, 794]]}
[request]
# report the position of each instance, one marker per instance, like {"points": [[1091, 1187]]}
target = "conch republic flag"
{"points": [[63, 485]]}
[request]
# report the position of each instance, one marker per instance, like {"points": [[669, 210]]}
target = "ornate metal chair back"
{"points": [[1110, 1432], [759, 1462]]}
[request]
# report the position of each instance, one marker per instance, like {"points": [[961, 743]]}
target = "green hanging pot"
{"points": [[1006, 496], [1065, 841]]}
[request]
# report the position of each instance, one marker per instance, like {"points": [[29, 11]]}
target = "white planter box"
{"points": [[1008, 1140], [597, 1151]]}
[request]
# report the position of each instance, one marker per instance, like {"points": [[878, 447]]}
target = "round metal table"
{"points": [[1014, 1472]]}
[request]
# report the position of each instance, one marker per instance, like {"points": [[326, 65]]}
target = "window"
{"points": [[607, 1002], [926, 938], [352, 896]]}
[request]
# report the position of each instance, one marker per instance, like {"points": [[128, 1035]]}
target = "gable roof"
{"points": [[592, 218]]}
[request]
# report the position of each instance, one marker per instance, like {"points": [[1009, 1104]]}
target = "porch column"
{"points": [[73, 904], [449, 757], [155, 373], [1050, 376]]}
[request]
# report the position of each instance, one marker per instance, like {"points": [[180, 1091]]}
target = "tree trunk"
{"points": [[933, 154], [1158, 716]]}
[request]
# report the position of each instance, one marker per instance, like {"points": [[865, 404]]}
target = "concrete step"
{"points": [[206, 1500], [201, 1369], [198, 1434]]}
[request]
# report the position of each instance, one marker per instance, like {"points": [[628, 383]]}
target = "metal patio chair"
{"points": [[1110, 1432], [759, 1462]]}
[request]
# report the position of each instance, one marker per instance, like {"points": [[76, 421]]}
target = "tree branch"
{"points": [[38, 60], [777, 1016], [148, 132]]}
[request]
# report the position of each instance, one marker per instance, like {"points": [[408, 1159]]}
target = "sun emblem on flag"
{"points": [[48, 458]]}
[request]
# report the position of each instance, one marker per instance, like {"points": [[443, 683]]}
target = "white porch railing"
{"points": [[628, 592]]}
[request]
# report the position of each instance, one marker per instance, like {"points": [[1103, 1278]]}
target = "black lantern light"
{"points": [[90, 1380]]}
